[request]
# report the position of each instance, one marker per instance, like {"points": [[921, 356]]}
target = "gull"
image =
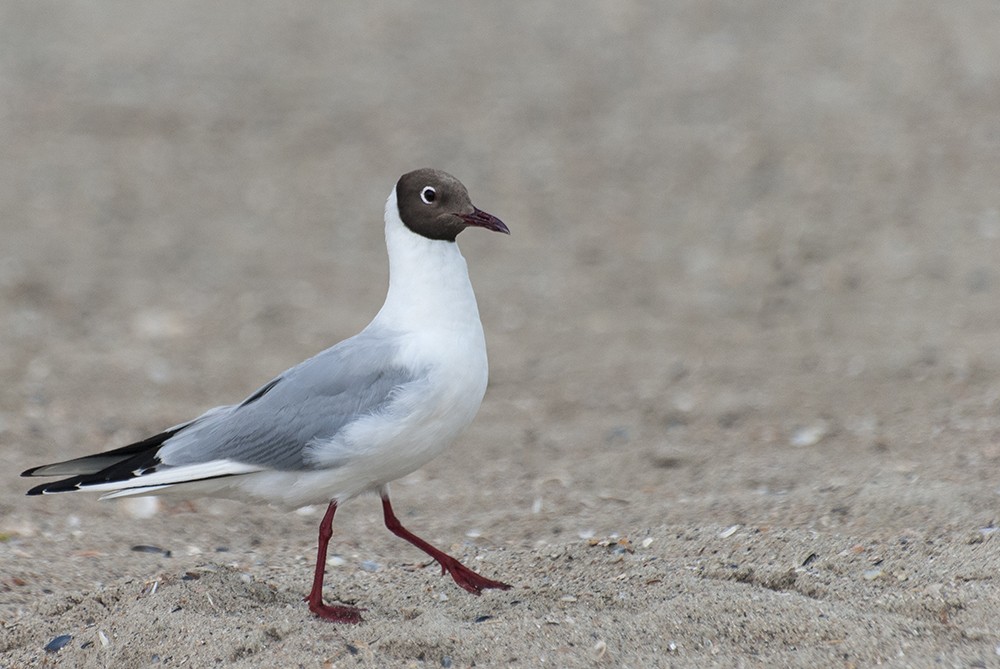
{"points": [[349, 420]]}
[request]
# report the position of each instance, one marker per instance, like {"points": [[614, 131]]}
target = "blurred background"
{"points": [[752, 277]]}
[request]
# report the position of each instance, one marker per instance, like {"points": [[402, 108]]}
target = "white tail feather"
{"points": [[169, 476]]}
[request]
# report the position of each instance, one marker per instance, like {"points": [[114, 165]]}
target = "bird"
{"points": [[349, 420]]}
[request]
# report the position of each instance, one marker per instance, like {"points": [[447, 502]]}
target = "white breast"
{"points": [[431, 309]]}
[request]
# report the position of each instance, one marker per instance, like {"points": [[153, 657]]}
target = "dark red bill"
{"points": [[481, 219]]}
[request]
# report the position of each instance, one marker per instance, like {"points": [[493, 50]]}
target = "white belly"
{"points": [[419, 425]]}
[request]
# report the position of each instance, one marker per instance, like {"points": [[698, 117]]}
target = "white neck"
{"points": [[429, 283]]}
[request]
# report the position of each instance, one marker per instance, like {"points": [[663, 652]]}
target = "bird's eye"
{"points": [[428, 194]]}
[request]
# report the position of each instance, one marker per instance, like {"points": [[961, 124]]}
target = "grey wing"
{"points": [[310, 402]]}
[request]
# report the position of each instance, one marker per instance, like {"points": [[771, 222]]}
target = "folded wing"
{"points": [[270, 430]]}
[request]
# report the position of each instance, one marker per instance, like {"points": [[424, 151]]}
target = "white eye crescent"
{"points": [[428, 194]]}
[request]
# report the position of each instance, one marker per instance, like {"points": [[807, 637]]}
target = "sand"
{"points": [[744, 406]]}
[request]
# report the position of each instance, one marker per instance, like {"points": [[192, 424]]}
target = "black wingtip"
{"points": [[117, 464], [66, 485]]}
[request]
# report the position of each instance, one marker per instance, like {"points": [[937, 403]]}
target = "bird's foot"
{"points": [[466, 578], [336, 614]]}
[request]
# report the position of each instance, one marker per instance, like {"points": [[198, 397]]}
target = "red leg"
{"points": [[337, 614], [465, 577]]}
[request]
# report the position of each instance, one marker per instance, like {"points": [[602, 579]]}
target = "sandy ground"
{"points": [[744, 407]]}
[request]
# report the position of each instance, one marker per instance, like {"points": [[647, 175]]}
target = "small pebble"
{"points": [[370, 566], [56, 644], [141, 507], [143, 548], [446, 662], [482, 619], [728, 532], [621, 548], [810, 435], [103, 639], [647, 542], [872, 574], [666, 457]]}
